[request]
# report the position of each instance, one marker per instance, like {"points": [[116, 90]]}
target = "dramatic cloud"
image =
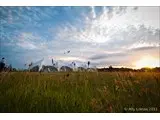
{"points": [[116, 36]]}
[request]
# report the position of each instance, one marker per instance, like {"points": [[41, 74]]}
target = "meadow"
{"points": [[78, 92]]}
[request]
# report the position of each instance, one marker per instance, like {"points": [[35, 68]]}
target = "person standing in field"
{"points": [[2, 64], [88, 63]]}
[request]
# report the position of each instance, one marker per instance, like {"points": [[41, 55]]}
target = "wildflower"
{"points": [[137, 82], [95, 105], [110, 109], [129, 83], [93, 102], [118, 83], [105, 88], [105, 91], [131, 74], [145, 90]]}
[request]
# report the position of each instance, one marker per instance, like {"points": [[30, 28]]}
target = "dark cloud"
{"points": [[104, 56], [145, 48], [118, 62]]}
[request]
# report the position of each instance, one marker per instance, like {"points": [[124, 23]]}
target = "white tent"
{"points": [[81, 69], [49, 68], [66, 68], [38, 63]]}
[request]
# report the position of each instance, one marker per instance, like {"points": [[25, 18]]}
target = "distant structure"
{"points": [[81, 69], [34, 69], [55, 65], [33, 65], [66, 69], [49, 69], [44, 69], [37, 66]]}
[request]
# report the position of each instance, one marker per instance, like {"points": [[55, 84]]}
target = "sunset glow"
{"points": [[147, 61]]}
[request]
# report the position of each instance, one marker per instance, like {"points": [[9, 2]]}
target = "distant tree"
{"points": [[14, 69], [156, 69], [110, 68], [2, 64]]}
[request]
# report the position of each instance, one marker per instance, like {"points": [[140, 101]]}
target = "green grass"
{"points": [[79, 92]]}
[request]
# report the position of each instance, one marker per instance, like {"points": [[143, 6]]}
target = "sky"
{"points": [[117, 36]]}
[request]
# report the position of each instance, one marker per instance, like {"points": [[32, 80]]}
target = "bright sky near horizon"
{"points": [[117, 36]]}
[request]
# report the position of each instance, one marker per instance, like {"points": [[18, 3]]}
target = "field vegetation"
{"points": [[80, 92]]}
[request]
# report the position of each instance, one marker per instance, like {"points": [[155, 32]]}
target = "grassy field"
{"points": [[80, 92]]}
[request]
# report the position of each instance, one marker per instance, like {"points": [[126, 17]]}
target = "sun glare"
{"points": [[147, 61]]}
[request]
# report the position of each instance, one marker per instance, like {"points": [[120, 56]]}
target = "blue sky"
{"points": [[117, 36]]}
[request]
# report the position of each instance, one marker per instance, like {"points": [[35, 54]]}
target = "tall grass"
{"points": [[79, 91]]}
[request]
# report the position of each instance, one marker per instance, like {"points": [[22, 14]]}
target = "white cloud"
{"points": [[93, 12], [114, 31], [28, 40], [27, 45], [103, 28]]}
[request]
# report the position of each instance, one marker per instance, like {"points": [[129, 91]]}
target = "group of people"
{"points": [[3, 66]]}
